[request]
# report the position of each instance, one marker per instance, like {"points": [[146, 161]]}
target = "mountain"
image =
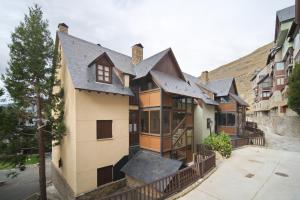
{"points": [[242, 70]]}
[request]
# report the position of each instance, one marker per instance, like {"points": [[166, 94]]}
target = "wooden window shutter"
{"points": [[104, 129], [104, 175]]}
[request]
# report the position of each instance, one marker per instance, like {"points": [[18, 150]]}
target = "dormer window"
{"points": [[103, 73]]}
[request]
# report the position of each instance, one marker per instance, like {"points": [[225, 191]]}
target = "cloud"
{"points": [[202, 34]]}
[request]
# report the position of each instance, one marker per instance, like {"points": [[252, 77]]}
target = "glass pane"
{"points": [[100, 78], [222, 119], [100, 72], [166, 122], [106, 73], [154, 122], [106, 68], [144, 122], [100, 67], [230, 119], [106, 78]]}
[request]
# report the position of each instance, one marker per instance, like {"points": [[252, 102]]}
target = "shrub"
{"points": [[219, 142]]}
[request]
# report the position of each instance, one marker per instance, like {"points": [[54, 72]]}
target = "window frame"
{"points": [[99, 134], [103, 70], [226, 119]]}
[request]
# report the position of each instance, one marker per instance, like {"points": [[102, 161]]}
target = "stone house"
{"points": [[116, 105], [270, 85]]}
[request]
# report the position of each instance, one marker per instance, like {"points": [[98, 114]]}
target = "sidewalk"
{"points": [[253, 173]]}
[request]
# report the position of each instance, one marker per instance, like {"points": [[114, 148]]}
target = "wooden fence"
{"points": [[169, 185], [255, 137]]}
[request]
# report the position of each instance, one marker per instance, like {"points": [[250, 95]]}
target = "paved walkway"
{"points": [[25, 184], [253, 173]]}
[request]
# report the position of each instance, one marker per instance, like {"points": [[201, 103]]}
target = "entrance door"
{"points": [[133, 128]]}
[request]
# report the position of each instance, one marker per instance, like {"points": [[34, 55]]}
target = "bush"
{"points": [[219, 142]]}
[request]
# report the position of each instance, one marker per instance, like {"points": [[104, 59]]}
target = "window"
{"points": [[230, 119], [103, 73], [166, 121], [148, 85], [265, 94], [280, 81], [104, 129], [226, 119], [104, 175], [279, 66], [144, 121], [179, 103], [154, 122], [189, 105]]}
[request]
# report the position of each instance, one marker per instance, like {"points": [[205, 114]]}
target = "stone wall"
{"points": [[280, 125], [61, 184], [104, 190]]}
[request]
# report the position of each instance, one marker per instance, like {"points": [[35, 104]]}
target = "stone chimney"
{"points": [[62, 27], [204, 77], [137, 53]]}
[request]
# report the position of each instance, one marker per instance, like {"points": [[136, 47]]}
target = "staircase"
{"points": [[178, 149]]}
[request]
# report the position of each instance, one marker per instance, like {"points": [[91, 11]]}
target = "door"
{"points": [[133, 128]]}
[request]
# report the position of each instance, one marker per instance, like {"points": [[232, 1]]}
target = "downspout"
{"points": [[160, 122]]}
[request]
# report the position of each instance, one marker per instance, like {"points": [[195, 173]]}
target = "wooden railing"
{"points": [[169, 185], [254, 137]]}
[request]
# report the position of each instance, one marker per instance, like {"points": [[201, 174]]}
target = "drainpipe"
{"points": [[160, 122]]}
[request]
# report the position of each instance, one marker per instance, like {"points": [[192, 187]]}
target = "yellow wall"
{"points": [[80, 151], [66, 151], [90, 152]]}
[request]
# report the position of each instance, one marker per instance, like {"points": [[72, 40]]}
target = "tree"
{"points": [[29, 76], [294, 90]]}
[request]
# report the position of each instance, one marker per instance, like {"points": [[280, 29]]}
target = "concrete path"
{"points": [[25, 184], [253, 173]]}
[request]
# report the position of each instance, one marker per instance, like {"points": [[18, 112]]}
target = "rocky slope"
{"points": [[242, 70]]}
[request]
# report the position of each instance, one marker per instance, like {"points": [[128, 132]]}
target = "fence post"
{"points": [[202, 168]]}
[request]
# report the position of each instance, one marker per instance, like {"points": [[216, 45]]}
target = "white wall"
{"points": [[200, 122]]}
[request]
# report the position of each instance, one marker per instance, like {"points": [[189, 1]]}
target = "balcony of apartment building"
{"points": [[165, 122]]}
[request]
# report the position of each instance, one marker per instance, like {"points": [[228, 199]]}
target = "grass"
{"points": [[31, 159]]}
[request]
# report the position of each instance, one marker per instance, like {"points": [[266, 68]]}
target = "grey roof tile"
{"points": [[239, 100], [144, 67], [147, 166], [79, 54], [286, 13], [221, 86]]}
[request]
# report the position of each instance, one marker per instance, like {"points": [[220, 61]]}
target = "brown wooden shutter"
{"points": [[104, 175], [104, 129]]}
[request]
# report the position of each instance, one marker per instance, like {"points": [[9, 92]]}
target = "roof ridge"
{"points": [[83, 40], [166, 50]]}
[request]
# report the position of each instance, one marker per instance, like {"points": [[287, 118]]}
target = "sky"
{"points": [[202, 34]]}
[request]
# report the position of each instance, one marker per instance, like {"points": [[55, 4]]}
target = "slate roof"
{"points": [[239, 100], [147, 166], [79, 54], [286, 13], [221, 86], [175, 85], [144, 67], [194, 81]]}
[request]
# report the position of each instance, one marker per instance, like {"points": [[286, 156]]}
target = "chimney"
{"points": [[137, 53], [62, 27], [204, 77], [297, 12]]}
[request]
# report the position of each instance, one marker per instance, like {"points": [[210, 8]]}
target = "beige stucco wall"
{"points": [[67, 149], [90, 152], [200, 122]]}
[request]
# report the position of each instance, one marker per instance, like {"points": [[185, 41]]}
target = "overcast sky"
{"points": [[202, 34]]}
